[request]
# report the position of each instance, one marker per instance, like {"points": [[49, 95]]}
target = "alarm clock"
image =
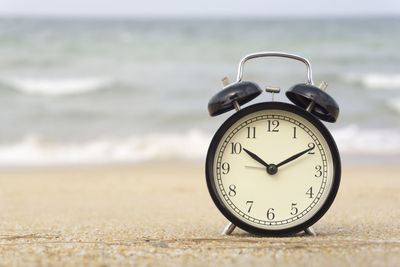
{"points": [[273, 168]]}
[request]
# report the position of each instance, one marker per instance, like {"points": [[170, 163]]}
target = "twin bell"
{"points": [[305, 95]]}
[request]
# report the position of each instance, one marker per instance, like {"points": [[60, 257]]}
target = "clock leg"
{"points": [[310, 231], [228, 229]]}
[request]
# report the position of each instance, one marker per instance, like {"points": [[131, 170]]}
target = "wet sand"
{"points": [[160, 213]]}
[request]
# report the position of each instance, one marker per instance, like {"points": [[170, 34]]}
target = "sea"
{"points": [[127, 90]]}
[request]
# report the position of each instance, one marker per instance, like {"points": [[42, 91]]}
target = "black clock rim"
{"points": [[269, 106]]}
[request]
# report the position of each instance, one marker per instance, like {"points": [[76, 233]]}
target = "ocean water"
{"points": [[82, 91]]}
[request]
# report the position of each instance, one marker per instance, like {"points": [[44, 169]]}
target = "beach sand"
{"points": [[160, 213]]}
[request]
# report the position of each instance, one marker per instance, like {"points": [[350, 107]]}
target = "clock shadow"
{"points": [[249, 235], [302, 234]]}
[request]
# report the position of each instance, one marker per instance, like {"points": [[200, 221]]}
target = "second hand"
{"points": [[255, 167]]}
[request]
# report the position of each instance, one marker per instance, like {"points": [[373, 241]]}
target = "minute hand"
{"points": [[294, 156]]}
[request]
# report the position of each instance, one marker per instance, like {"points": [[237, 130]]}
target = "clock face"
{"points": [[273, 168]]}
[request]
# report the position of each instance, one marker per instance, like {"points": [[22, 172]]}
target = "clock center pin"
{"points": [[272, 169]]}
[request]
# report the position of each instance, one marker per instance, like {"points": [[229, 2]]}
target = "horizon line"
{"points": [[196, 16]]}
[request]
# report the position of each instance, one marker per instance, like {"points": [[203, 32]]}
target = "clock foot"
{"points": [[310, 231], [228, 229]]}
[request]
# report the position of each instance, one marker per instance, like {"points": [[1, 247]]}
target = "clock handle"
{"points": [[275, 54]]}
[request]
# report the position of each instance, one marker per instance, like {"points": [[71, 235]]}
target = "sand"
{"points": [[160, 213]]}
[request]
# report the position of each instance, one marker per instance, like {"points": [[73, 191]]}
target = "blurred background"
{"points": [[86, 82]]}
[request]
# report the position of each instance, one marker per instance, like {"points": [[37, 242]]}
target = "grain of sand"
{"points": [[160, 214]]}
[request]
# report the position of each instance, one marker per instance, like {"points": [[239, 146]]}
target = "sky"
{"points": [[202, 8]]}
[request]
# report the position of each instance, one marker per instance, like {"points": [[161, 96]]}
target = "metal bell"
{"points": [[239, 92], [314, 100]]}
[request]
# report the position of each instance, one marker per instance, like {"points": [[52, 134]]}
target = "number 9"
{"points": [[225, 168]]}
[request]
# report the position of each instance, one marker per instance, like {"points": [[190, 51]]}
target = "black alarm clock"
{"points": [[273, 168]]}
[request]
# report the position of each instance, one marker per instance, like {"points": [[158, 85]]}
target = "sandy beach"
{"points": [[160, 213]]}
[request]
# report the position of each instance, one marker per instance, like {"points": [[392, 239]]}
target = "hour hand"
{"points": [[257, 158]]}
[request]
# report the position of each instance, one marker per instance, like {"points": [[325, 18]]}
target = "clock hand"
{"points": [[257, 158], [295, 156], [255, 167]]}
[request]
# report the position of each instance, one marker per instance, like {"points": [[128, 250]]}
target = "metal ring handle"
{"points": [[275, 54]]}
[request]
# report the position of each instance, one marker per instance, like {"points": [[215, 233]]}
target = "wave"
{"points": [[189, 145], [395, 104], [353, 140], [376, 80], [56, 87], [33, 150]]}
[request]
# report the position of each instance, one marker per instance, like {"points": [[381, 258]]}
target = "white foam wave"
{"points": [[57, 87], [376, 80], [395, 104], [189, 145], [33, 150], [353, 140]]}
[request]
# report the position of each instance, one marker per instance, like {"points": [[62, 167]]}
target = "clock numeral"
{"points": [[311, 145], [273, 126], [294, 210], [318, 169], [294, 132], [309, 192], [251, 204], [251, 132], [225, 168], [236, 148], [232, 190], [270, 214]]}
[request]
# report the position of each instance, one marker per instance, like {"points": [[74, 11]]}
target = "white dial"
{"points": [[273, 169]]}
